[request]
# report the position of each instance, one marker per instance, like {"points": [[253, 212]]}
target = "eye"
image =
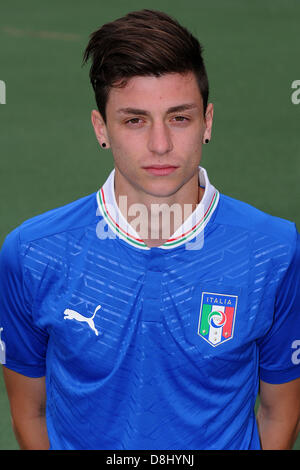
{"points": [[134, 121], [180, 119]]}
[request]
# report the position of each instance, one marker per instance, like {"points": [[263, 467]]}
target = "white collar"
{"points": [[190, 228]]}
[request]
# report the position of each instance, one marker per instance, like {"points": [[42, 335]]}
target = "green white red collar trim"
{"points": [[190, 228]]}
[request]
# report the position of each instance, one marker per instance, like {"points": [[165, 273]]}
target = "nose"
{"points": [[160, 141]]}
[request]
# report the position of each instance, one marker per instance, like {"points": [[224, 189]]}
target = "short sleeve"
{"points": [[279, 350], [25, 344]]}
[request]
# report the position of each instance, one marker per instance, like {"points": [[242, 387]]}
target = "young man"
{"points": [[150, 314]]}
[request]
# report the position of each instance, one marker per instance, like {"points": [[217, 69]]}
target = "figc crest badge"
{"points": [[217, 317]]}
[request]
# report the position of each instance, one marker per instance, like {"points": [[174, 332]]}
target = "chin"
{"points": [[161, 190]]}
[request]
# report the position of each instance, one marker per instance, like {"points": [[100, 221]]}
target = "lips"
{"points": [[160, 170]]}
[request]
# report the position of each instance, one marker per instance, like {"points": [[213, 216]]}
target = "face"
{"points": [[155, 128]]}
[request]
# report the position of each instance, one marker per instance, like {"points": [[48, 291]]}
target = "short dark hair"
{"points": [[142, 43]]}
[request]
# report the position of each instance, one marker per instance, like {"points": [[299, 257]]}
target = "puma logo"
{"points": [[73, 315]]}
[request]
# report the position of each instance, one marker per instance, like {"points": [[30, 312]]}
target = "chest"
{"points": [[103, 314]]}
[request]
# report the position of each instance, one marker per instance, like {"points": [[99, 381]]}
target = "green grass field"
{"points": [[49, 155]]}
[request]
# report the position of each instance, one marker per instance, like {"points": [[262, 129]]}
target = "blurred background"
{"points": [[49, 155]]}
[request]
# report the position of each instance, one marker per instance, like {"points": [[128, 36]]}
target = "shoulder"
{"points": [[249, 219], [72, 216]]}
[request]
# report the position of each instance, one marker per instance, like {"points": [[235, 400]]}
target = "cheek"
{"points": [[125, 155], [196, 144], [127, 148], [118, 147], [188, 139], [189, 150]]}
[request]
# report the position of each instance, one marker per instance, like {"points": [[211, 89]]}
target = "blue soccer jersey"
{"points": [[152, 348]]}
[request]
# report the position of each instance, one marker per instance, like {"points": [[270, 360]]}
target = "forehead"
{"points": [[152, 92]]}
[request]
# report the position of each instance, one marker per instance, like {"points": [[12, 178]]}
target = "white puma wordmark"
{"points": [[73, 315]]}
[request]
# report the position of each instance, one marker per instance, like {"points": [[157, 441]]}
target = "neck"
{"points": [[156, 218]]}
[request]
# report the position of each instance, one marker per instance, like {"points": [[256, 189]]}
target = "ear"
{"points": [[100, 128], [208, 121]]}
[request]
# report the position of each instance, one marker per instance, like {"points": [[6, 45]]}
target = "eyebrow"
{"points": [[173, 109]]}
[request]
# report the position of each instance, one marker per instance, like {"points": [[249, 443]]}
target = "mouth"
{"points": [[160, 170]]}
